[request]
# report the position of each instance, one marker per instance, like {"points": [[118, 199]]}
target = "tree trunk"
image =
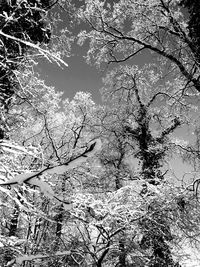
{"points": [[14, 221]]}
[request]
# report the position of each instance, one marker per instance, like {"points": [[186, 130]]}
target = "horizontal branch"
{"points": [[58, 169], [21, 259]]}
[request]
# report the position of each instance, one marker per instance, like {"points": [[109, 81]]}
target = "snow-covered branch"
{"points": [[47, 54]]}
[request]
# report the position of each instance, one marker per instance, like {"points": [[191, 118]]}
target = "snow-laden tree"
{"points": [[158, 29], [41, 158], [138, 145], [87, 185], [25, 34]]}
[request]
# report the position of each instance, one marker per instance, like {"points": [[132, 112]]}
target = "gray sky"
{"points": [[78, 76]]}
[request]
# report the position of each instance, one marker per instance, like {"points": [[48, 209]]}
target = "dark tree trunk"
{"points": [[14, 221], [59, 221], [122, 255]]}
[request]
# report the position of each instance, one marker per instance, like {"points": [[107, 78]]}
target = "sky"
{"points": [[78, 76]]}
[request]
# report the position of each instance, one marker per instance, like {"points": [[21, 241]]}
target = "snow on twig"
{"points": [[44, 52], [32, 177]]}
